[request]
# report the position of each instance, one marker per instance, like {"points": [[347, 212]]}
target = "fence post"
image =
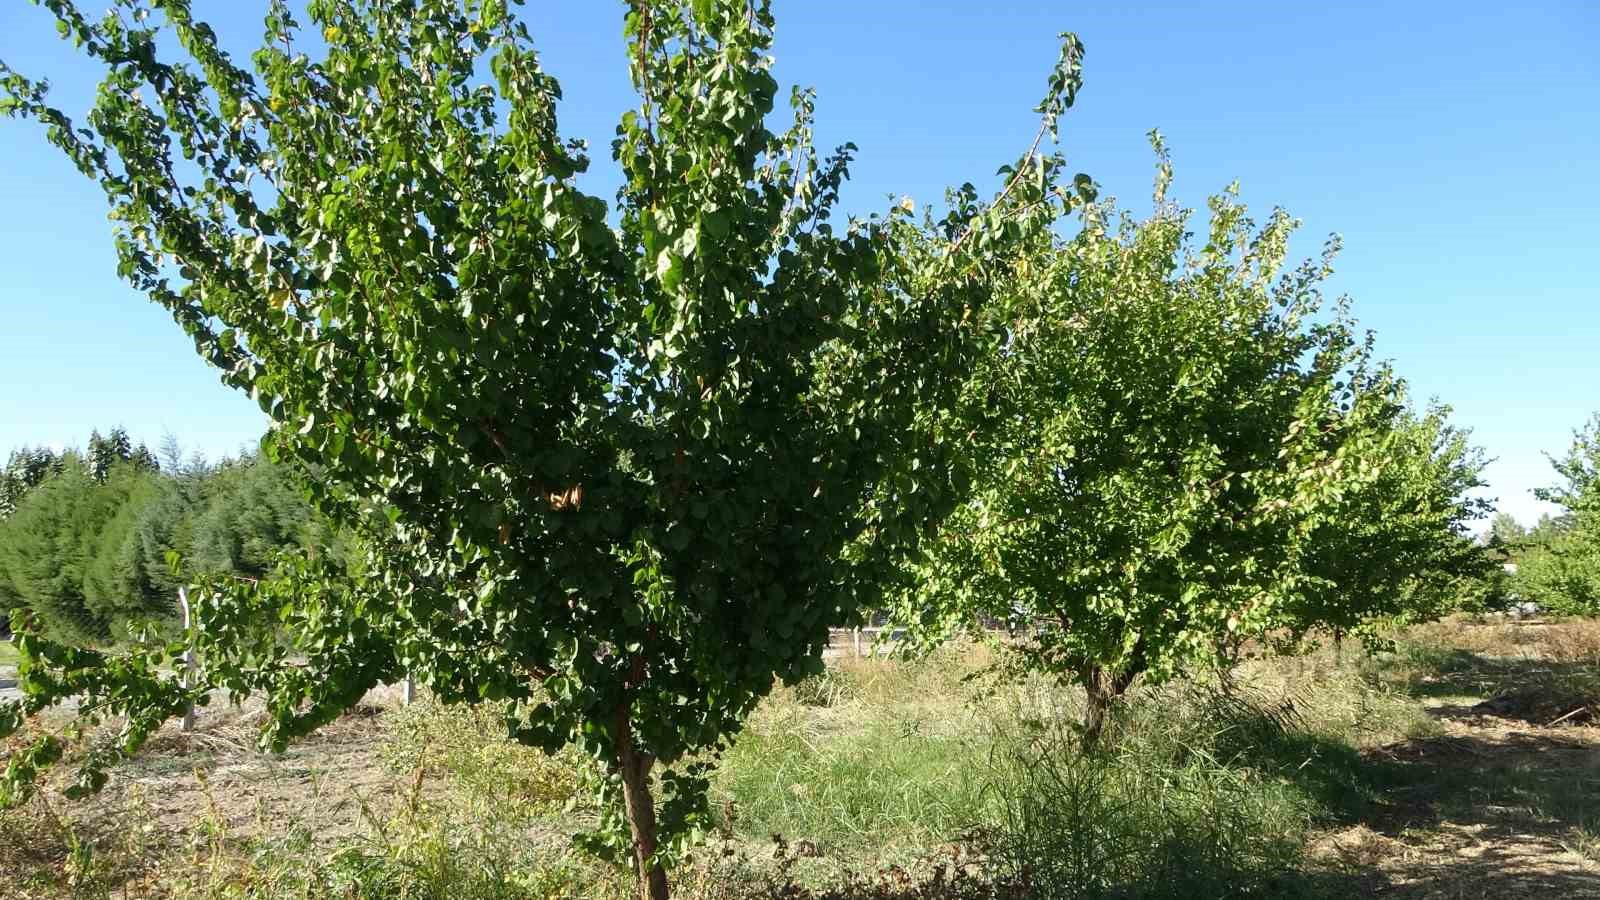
{"points": [[408, 693], [188, 656], [858, 641]]}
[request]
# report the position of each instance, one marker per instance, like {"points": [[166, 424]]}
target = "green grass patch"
{"points": [[873, 760], [891, 784]]}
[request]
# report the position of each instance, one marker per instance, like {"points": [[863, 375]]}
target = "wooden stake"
{"points": [[1567, 716], [188, 656]]}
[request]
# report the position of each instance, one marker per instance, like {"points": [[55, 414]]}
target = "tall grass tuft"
{"points": [[1166, 809]]}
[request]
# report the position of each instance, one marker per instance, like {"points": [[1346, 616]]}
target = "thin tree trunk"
{"points": [[1102, 688], [1228, 654], [1338, 648], [1097, 702], [640, 807]]}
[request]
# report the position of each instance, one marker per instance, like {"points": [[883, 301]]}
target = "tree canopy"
{"points": [[1561, 569], [1398, 547], [1175, 430], [617, 467]]}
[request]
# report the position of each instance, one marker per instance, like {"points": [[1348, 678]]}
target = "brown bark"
{"points": [[1102, 688], [1228, 647], [640, 807]]}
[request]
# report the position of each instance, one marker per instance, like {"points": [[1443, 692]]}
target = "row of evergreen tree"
{"points": [[87, 535]]}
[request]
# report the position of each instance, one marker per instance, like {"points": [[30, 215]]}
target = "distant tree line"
{"points": [[86, 534]]}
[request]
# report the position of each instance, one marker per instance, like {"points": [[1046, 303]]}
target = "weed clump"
{"points": [[468, 744], [1165, 809]]}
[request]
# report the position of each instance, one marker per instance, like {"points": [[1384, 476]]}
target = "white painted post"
{"points": [[409, 692], [858, 641], [188, 656]]}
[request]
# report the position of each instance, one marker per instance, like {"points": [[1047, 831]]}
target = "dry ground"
{"points": [[1505, 800], [1500, 801]]}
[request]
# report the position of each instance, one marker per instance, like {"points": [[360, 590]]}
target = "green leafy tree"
{"points": [[164, 525], [1504, 531], [121, 586], [1398, 547], [1168, 424], [105, 451], [1547, 529], [107, 535], [71, 551], [625, 470], [1561, 572], [251, 510], [25, 469]]}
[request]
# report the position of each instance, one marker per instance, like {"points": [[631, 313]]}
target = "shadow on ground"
{"points": [[1496, 806], [1537, 691]]}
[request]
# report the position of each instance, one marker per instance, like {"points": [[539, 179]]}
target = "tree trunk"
{"points": [[1102, 688], [1338, 648], [640, 807], [1228, 648]]}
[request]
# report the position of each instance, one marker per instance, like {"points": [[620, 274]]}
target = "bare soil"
{"points": [[1490, 808], [186, 799]]}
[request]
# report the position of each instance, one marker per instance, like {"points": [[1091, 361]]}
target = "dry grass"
{"points": [[1575, 641], [1542, 673], [1570, 640], [872, 774]]}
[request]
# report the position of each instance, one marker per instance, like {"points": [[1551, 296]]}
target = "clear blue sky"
{"points": [[1454, 145]]}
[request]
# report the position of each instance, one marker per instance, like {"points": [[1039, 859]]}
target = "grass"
{"points": [[873, 760], [884, 780], [1157, 815], [8, 655], [488, 776], [1540, 673]]}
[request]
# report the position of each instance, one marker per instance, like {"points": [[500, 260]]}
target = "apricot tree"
{"points": [[1169, 421], [619, 468]]}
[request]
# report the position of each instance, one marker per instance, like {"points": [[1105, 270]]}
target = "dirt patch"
{"points": [[217, 775], [1493, 807], [188, 797]]}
